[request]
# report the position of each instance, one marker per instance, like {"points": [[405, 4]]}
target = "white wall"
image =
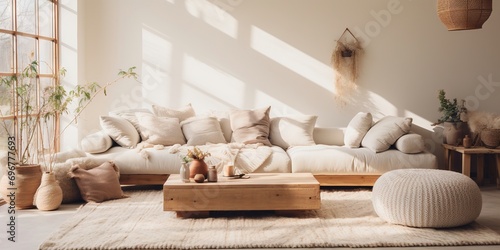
{"points": [[226, 54]]}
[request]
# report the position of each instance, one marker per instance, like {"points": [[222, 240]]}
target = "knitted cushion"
{"points": [[426, 198]]}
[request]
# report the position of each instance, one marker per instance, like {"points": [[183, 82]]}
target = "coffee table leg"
{"points": [[498, 170]]}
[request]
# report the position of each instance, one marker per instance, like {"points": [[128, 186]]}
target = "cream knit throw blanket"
{"points": [[245, 157]]}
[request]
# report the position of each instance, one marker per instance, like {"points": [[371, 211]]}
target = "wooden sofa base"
{"points": [[347, 179]]}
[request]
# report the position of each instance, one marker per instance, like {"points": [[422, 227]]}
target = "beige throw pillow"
{"points": [[120, 130], [181, 114], [251, 126], [410, 144], [160, 130], [293, 130], [97, 142], [357, 129], [98, 184], [385, 132], [202, 130]]}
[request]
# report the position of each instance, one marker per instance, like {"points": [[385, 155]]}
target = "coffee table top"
{"points": [[255, 180]]}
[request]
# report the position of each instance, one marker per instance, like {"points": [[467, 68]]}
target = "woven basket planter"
{"points": [[490, 138], [464, 14]]}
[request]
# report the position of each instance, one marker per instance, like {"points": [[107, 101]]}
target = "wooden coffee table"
{"points": [[276, 191]]}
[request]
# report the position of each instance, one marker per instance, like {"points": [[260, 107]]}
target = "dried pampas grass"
{"points": [[479, 120]]}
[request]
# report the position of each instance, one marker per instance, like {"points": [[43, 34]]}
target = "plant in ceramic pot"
{"points": [[453, 118], [29, 111], [197, 165]]}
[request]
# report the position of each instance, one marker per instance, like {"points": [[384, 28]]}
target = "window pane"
{"points": [[46, 57], [25, 51], [6, 62], [6, 14], [46, 18], [26, 16], [5, 100]]}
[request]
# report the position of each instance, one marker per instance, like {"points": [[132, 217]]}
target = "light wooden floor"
{"points": [[34, 226]]}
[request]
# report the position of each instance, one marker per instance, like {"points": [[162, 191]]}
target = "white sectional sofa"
{"points": [[352, 156]]}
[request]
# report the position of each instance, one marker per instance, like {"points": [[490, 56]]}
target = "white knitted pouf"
{"points": [[426, 198]]}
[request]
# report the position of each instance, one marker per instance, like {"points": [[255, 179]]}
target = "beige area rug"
{"points": [[346, 219]]}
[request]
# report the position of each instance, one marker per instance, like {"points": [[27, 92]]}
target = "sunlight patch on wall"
{"points": [[216, 86], [379, 106], [419, 120], [278, 108], [213, 15], [156, 65], [292, 58]]}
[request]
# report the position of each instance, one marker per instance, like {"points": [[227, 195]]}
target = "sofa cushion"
{"points": [[385, 132], [120, 130], [410, 144], [251, 126], [202, 130], [160, 130], [98, 184], [129, 115], [181, 114], [357, 129], [97, 142], [293, 130]]}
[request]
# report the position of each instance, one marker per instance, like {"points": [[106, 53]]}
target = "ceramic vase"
{"points": [[26, 180], [454, 132], [184, 172], [49, 194], [198, 167]]}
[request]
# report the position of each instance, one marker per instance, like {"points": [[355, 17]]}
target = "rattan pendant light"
{"points": [[464, 14]]}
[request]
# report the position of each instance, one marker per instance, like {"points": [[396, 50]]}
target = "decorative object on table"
{"points": [[485, 127], [467, 142], [453, 118], [345, 60], [184, 171], [197, 165], [33, 122], [49, 194], [228, 170], [199, 178], [464, 14], [212, 174]]}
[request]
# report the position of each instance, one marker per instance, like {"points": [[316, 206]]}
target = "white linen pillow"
{"points": [[120, 130], [357, 129], [251, 126], [181, 114], [160, 130], [292, 130], [385, 132], [97, 142], [410, 144], [129, 114], [202, 130]]}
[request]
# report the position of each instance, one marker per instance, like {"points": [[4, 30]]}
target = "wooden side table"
{"points": [[466, 159]]}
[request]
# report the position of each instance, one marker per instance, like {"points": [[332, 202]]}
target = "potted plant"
{"points": [[197, 165], [453, 118], [30, 128]]}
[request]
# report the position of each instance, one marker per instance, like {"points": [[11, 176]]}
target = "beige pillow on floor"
{"points": [[251, 126], [292, 130], [202, 130], [181, 114], [357, 129], [160, 130], [99, 184], [385, 132]]}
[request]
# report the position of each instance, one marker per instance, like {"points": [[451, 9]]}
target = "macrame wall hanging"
{"points": [[345, 60]]}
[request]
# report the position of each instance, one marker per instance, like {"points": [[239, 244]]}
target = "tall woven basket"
{"points": [[490, 138], [464, 14]]}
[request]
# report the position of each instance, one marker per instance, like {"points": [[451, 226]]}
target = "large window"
{"points": [[28, 33]]}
